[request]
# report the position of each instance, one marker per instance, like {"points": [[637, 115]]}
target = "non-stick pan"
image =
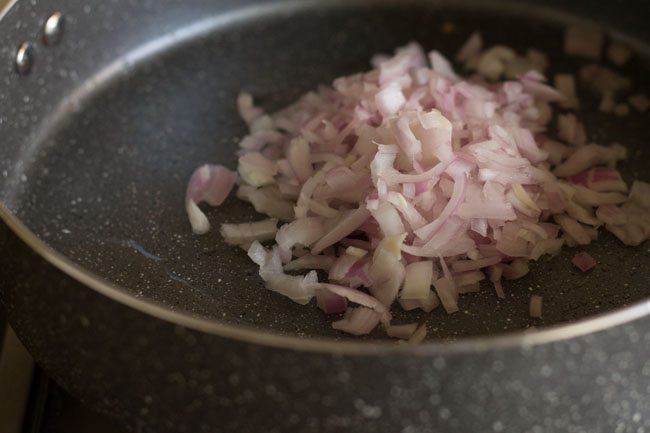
{"points": [[104, 118]]}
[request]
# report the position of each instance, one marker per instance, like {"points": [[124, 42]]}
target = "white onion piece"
{"points": [[388, 219], [417, 281], [390, 100], [588, 197], [430, 303], [419, 335], [640, 193], [386, 271], [471, 50], [441, 65], [546, 247], [588, 156], [447, 293], [516, 269], [566, 85], [573, 229], [339, 271], [346, 225], [303, 231], [309, 261], [269, 201], [244, 234], [355, 296], [571, 130], [611, 214], [472, 265], [257, 170], [468, 278], [582, 215], [247, 109], [299, 158], [403, 332], [358, 321], [535, 308], [496, 272], [492, 63], [298, 289]]}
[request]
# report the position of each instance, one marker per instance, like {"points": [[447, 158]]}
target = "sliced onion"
{"points": [[346, 225], [573, 228], [244, 234], [309, 261], [588, 156]]}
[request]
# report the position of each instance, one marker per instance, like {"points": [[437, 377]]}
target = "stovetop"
{"points": [[31, 402]]}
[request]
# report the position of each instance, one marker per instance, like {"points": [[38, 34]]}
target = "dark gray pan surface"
{"points": [[106, 184]]}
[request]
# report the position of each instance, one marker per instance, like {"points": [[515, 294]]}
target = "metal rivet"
{"points": [[53, 29], [25, 58]]}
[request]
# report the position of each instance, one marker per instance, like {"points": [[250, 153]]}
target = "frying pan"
{"points": [[103, 121]]}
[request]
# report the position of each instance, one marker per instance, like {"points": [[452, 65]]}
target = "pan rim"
{"points": [[315, 344], [323, 345]]}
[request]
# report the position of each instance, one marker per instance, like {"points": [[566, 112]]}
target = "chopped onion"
{"points": [[358, 321], [583, 261], [331, 303], [417, 281], [603, 80], [583, 42], [403, 332], [419, 335], [209, 183], [618, 53], [588, 156], [383, 173], [471, 50], [447, 293], [535, 309], [244, 234], [566, 85]]}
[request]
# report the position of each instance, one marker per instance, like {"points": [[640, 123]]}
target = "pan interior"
{"points": [[111, 175]]}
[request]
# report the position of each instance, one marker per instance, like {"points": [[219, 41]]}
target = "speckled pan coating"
{"points": [[97, 147]]}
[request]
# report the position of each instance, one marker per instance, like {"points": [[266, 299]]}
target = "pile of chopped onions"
{"points": [[410, 184]]}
